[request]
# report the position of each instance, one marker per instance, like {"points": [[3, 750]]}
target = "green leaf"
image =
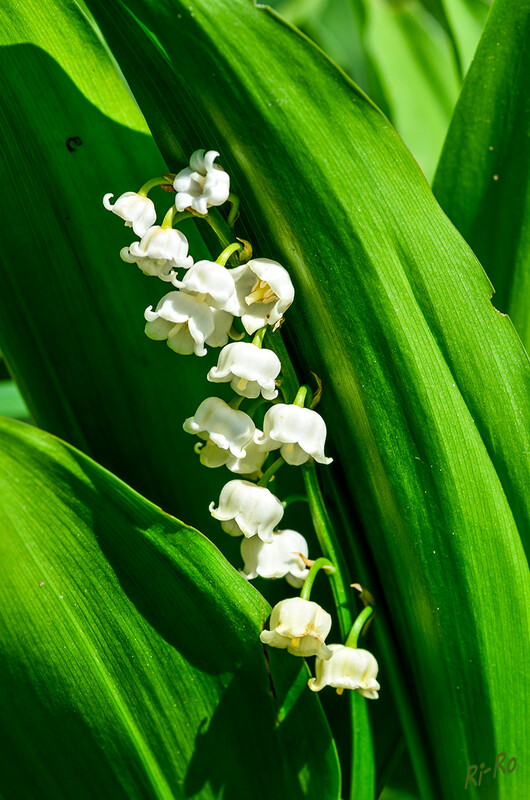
{"points": [[131, 661], [426, 385], [71, 327], [482, 181], [11, 403]]}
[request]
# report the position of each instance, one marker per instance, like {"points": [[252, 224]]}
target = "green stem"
{"points": [[294, 498], [232, 216], [219, 226], [340, 580], [146, 188], [167, 222], [305, 594], [267, 475], [227, 252], [235, 402], [259, 336], [358, 625], [301, 394]]}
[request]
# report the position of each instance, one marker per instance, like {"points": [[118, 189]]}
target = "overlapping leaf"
{"points": [[131, 665], [482, 181], [426, 384]]}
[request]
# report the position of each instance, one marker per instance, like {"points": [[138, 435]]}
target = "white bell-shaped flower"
{"points": [[279, 559], [299, 625], [211, 281], [247, 509], [183, 320], [298, 432], [226, 427], [348, 668], [203, 184], [249, 369], [160, 252], [137, 210], [264, 292], [211, 455], [222, 328]]}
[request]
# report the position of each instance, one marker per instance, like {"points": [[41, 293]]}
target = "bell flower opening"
{"points": [[226, 427], [279, 559], [348, 668], [137, 210], [160, 252], [185, 322], [300, 626], [203, 184], [211, 455], [250, 370], [264, 292], [299, 433], [247, 509]]}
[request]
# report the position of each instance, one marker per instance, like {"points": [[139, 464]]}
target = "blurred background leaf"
{"points": [[482, 182], [131, 664]]}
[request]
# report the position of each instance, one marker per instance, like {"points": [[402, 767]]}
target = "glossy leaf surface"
{"points": [[131, 664], [482, 181], [426, 385]]}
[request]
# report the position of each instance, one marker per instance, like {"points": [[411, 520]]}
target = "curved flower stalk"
{"points": [[264, 292], [203, 184], [249, 369], [226, 427], [300, 626], [347, 668], [160, 252], [282, 558], [247, 509], [299, 433], [137, 210]]}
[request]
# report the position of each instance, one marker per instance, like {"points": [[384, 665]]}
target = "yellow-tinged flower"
{"points": [[300, 626], [347, 668]]}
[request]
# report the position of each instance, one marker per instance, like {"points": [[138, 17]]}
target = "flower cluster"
{"points": [[234, 297]]}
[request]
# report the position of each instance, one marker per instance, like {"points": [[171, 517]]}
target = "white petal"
{"points": [[228, 428], [254, 508]]}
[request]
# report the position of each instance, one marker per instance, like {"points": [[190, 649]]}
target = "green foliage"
{"points": [[426, 385], [145, 679], [483, 177]]}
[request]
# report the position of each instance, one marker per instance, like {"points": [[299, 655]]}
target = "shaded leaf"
{"points": [[482, 181], [131, 663]]}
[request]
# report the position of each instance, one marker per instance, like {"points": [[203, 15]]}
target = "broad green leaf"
{"points": [[482, 181], [131, 662], [71, 327], [426, 385]]}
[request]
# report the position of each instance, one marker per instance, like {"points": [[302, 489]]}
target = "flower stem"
{"points": [[268, 474], [305, 594], [227, 252], [219, 226], [301, 394], [294, 498], [358, 625], [146, 188], [232, 216], [259, 336], [340, 580]]}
